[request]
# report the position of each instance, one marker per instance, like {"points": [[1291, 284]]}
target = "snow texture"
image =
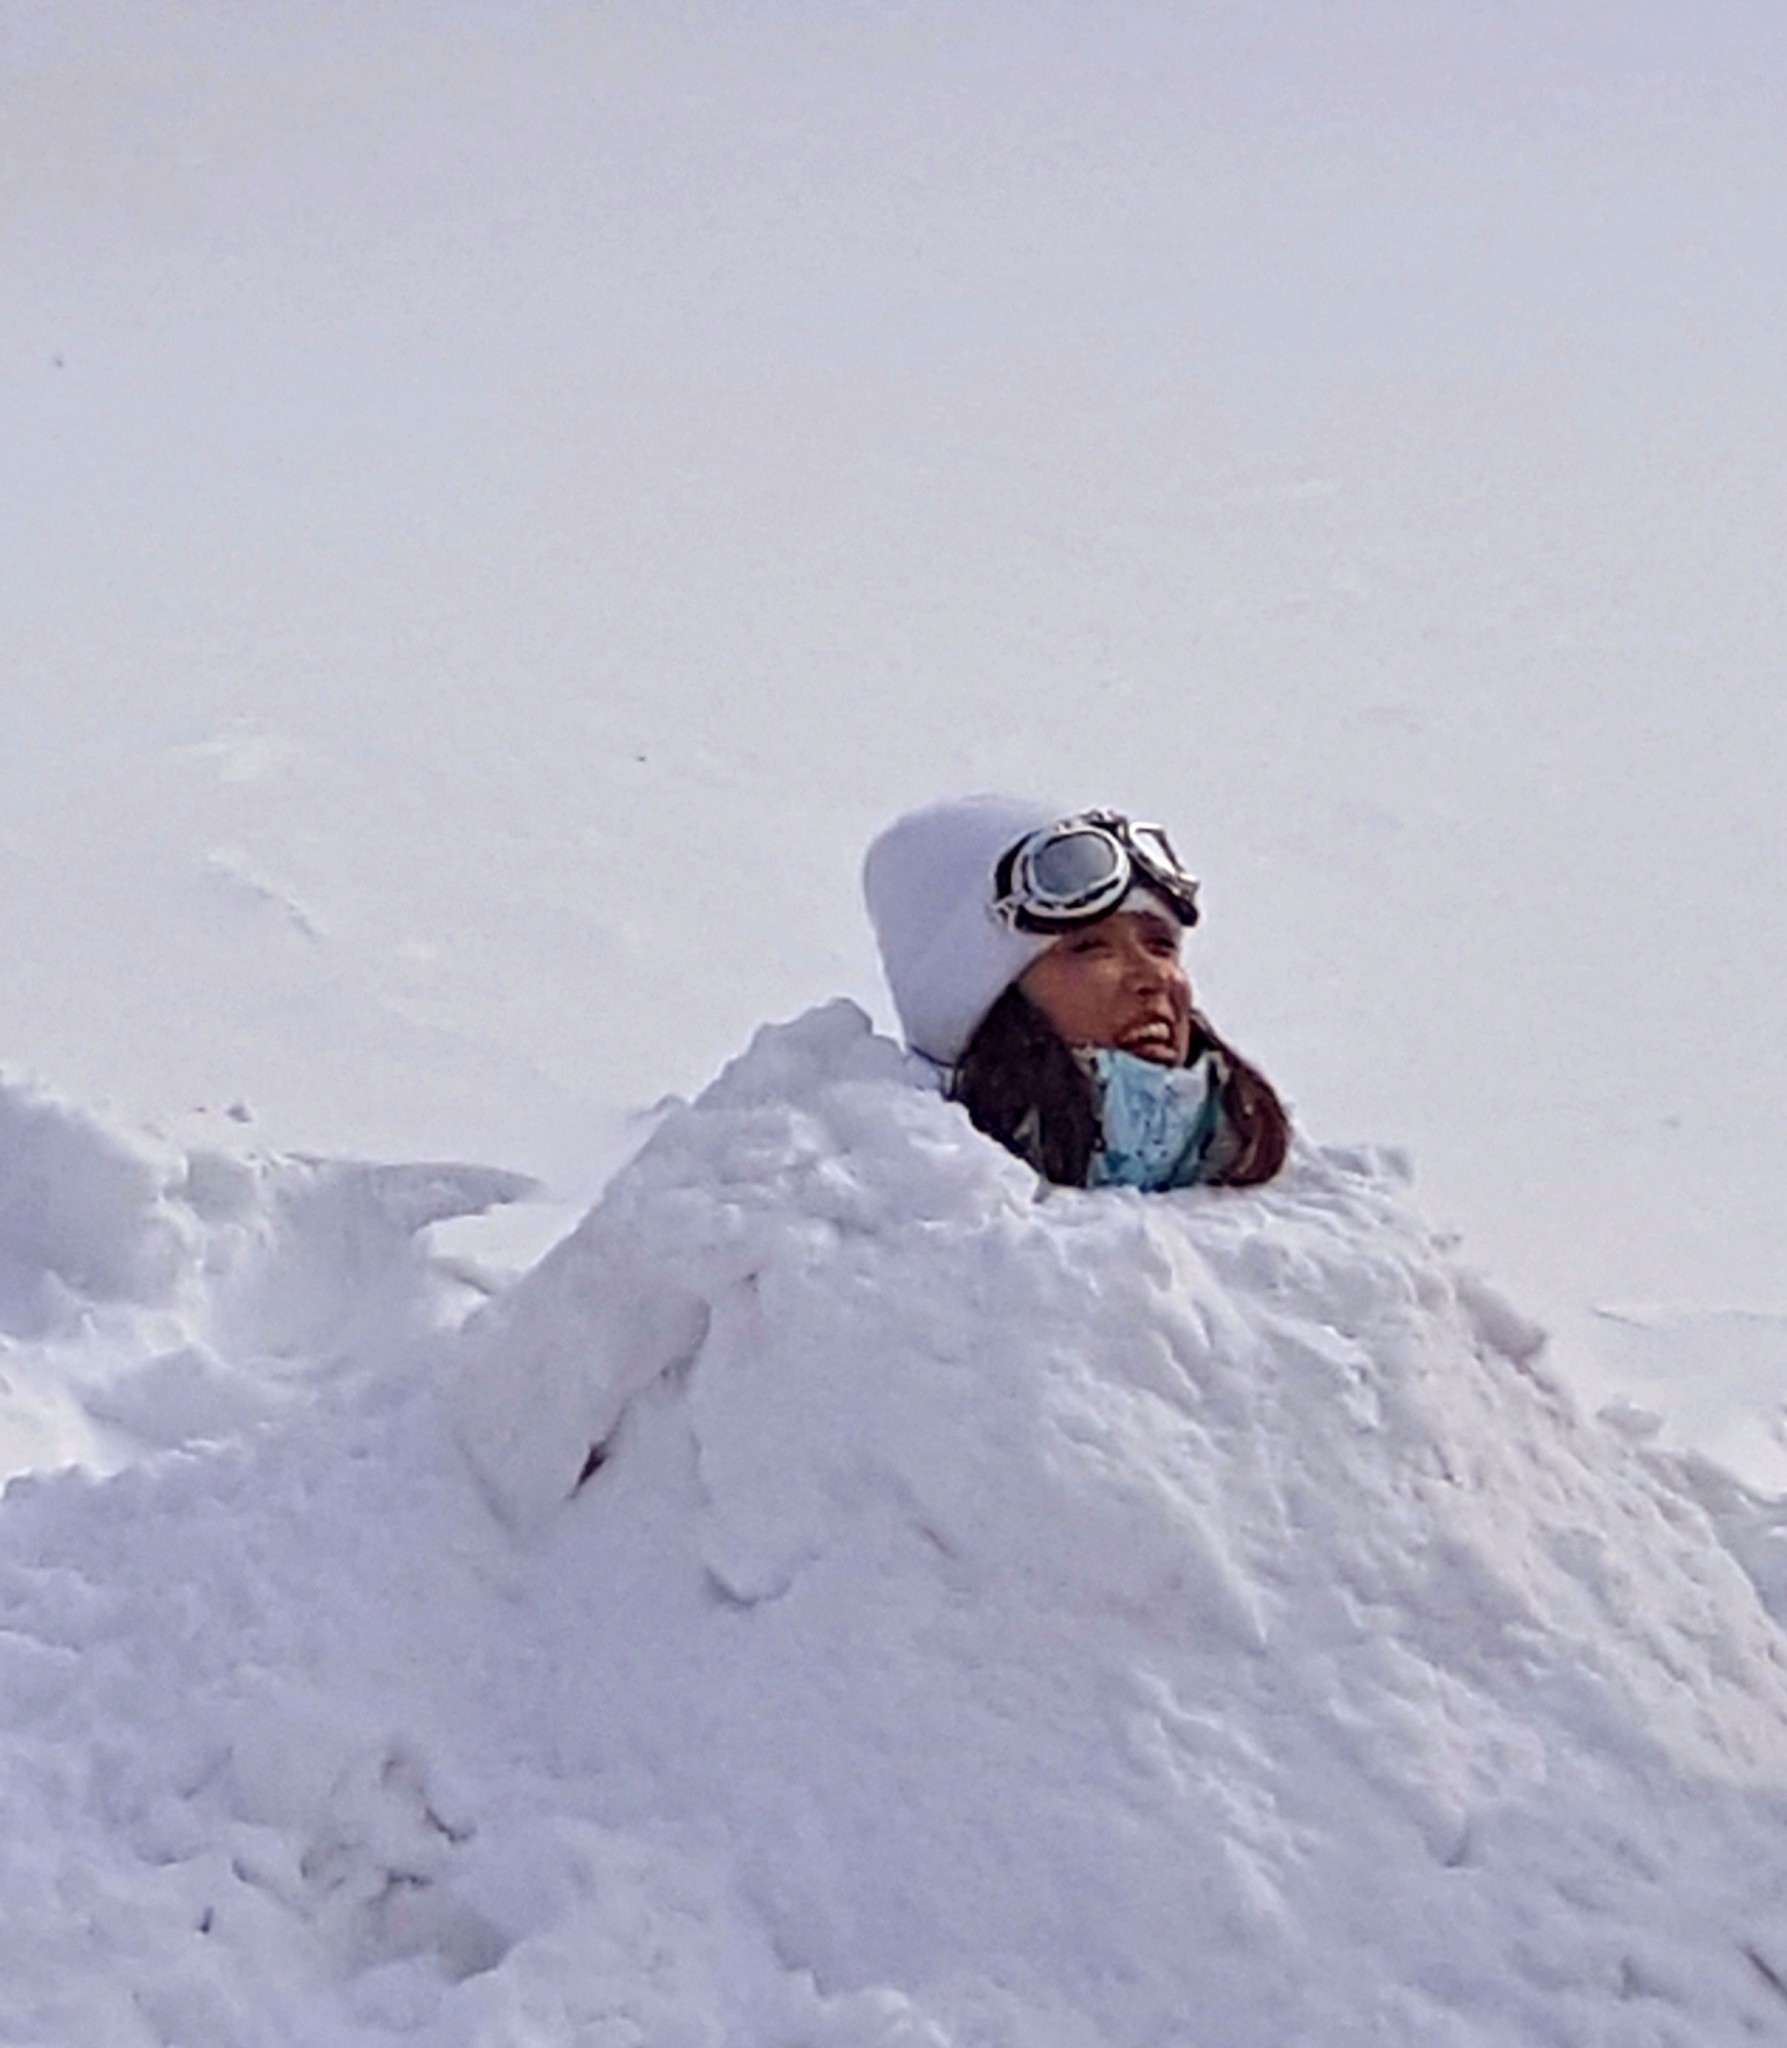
{"points": [[994, 1617]]}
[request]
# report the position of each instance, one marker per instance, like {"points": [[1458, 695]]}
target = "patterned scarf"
{"points": [[1157, 1122]]}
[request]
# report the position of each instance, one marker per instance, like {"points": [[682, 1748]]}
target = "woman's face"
{"points": [[1118, 983]]}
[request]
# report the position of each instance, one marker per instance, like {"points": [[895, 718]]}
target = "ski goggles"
{"points": [[1082, 868]]}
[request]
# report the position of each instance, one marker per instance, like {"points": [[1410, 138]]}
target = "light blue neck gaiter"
{"points": [[1157, 1122]]}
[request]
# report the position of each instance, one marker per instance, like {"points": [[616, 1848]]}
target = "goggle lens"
{"points": [[1073, 866]]}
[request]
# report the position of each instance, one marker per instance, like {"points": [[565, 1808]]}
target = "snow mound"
{"points": [[1195, 1616], [152, 1297], [991, 1621]]}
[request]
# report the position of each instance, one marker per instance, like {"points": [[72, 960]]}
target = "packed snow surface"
{"points": [[842, 1596]]}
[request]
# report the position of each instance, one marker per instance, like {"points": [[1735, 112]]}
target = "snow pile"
{"points": [[152, 1297], [987, 1619], [1192, 1616]]}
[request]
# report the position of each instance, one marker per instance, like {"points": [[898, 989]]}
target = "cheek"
{"points": [[1071, 990]]}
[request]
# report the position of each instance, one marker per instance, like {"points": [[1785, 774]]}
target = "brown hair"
{"points": [[1021, 1084]]}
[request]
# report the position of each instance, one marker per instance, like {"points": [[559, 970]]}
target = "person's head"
{"points": [[1014, 936], [1083, 909]]}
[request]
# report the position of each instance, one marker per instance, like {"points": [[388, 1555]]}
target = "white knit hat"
{"points": [[929, 882]]}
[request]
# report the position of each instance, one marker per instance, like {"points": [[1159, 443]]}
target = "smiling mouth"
{"points": [[1155, 1036]]}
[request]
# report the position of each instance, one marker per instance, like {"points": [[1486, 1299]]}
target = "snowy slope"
{"points": [[1087, 1620], [502, 502]]}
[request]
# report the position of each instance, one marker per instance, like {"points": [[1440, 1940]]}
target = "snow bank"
{"points": [[992, 1622]]}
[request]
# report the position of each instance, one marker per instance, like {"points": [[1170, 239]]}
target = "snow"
{"points": [[500, 505], [1200, 1605], [995, 1617]]}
